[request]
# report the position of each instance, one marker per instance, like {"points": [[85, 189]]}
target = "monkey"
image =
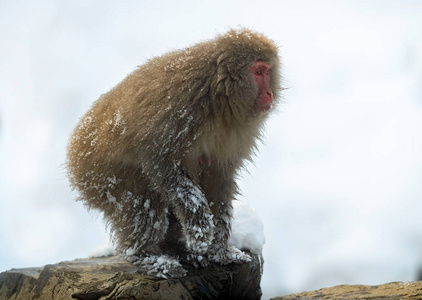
{"points": [[160, 153]]}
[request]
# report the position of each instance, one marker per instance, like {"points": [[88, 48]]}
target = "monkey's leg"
{"points": [[221, 189], [138, 221], [139, 230], [132, 210]]}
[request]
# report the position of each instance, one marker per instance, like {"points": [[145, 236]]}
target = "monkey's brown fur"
{"points": [[160, 152]]}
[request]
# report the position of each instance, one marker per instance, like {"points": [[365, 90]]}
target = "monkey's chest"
{"points": [[225, 145]]}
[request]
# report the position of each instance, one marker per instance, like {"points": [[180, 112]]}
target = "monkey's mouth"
{"points": [[264, 107]]}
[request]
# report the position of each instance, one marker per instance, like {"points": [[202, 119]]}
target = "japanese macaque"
{"points": [[159, 154]]}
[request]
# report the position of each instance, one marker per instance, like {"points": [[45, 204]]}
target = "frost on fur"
{"points": [[161, 266]]}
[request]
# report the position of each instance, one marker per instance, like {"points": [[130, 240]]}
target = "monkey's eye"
{"points": [[259, 72]]}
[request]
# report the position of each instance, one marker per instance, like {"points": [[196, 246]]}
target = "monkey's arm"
{"points": [[192, 210]]}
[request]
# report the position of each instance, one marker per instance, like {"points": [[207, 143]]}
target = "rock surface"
{"points": [[114, 278], [394, 290]]}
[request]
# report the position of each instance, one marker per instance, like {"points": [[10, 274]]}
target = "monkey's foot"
{"points": [[229, 255], [197, 260], [161, 266]]}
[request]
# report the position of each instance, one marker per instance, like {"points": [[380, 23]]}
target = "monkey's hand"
{"points": [[229, 255]]}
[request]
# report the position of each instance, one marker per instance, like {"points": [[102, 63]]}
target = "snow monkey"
{"points": [[159, 153]]}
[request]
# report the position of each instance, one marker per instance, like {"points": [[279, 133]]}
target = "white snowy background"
{"points": [[338, 183]]}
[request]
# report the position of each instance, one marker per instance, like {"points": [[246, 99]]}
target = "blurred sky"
{"points": [[338, 182]]}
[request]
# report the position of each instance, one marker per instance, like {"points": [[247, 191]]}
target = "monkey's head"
{"points": [[248, 76]]}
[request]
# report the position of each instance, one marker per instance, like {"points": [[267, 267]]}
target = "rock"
{"points": [[394, 290], [114, 278]]}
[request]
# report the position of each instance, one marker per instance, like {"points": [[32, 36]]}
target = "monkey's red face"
{"points": [[262, 75]]}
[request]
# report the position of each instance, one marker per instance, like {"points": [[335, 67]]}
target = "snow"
{"points": [[247, 228], [104, 250]]}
